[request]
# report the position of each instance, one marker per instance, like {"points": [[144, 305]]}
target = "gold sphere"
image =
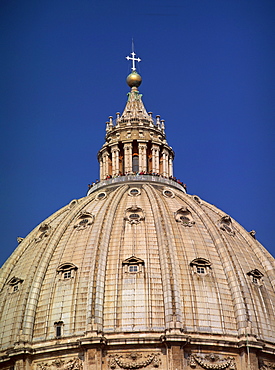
{"points": [[134, 79]]}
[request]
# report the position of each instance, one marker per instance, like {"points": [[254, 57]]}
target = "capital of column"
{"points": [[114, 148]]}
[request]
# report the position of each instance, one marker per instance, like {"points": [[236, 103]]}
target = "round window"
{"points": [[134, 192], [101, 195], [168, 193]]}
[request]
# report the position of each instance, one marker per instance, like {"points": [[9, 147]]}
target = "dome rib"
{"points": [[229, 268], [197, 210], [102, 247], [173, 315], [114, 264]]}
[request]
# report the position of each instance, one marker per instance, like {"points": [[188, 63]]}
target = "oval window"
{"points": [[168, 193], [134, 192], [184, 219], [134, 216]]}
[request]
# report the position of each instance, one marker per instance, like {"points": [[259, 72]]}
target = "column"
{"points": [[128, 157], [170, 165], [142, 147], [165, 162], [115, 159], [155, 158], [101, 168], [105, 171]]}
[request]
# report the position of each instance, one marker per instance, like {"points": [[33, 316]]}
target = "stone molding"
{"points": [[134, 360], [266, 365], [61, 364], [212, 362]]}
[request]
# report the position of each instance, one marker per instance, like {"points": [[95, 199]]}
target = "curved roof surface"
{"points": [[138, 257]]}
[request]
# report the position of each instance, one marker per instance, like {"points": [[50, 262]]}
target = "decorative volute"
{"points": [[135, 141]]}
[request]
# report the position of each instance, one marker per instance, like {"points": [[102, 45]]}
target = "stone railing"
{"points": [[135, 178]]}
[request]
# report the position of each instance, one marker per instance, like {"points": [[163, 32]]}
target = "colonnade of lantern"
{"points": [[135, 157]]}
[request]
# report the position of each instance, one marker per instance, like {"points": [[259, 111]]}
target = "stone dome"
{"points": [[138, 273]]}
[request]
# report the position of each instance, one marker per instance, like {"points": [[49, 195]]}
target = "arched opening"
{"points": [[135, 164]]}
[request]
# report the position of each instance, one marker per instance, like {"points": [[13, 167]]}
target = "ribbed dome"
{"points": [[138, 273], [143, 257]]}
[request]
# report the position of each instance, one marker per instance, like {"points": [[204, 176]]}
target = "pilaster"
{"points": [[165, 162], [142, 156], [115, 159], [128, 157], [155, 158]]}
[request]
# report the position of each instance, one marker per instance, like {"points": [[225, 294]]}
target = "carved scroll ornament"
{"points": [[134, 361], [61, 364], [212, 361], [266, 365]]}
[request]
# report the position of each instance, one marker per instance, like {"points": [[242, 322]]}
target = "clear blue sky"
{"points": [[207, 68]]}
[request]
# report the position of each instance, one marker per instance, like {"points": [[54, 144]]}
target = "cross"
{"points": [[133, 59]]}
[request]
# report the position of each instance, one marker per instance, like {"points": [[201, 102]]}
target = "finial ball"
{"points": [[134, 79]]}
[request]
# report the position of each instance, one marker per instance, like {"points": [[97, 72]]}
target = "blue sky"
{"points": [[207, 69]]}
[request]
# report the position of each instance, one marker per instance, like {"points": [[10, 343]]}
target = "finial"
{"points": [[133, 79], [133, 59]]}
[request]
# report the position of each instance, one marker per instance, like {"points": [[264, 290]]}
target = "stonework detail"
{"points": [[212, 361], [44, 231], [73, 203], [85, 219], [134, 360], [184, 217], [225, 224], [61, 364], [134, 215], [266, 365]]}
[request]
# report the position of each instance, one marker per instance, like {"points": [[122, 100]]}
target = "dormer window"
{"points": [[133, 268], [67, 275], [14, 284], [67, 271], [201, 266], [84, 220], [44, 231], [184, 217], [225, 224], [200, 270], [256, 276], [58, 328], [133, 265], [134, 215]]}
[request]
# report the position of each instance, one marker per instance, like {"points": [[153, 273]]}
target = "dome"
{"points": [[138, 273]]}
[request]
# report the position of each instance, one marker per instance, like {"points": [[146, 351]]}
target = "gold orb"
{"points": [[134, 79]]}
